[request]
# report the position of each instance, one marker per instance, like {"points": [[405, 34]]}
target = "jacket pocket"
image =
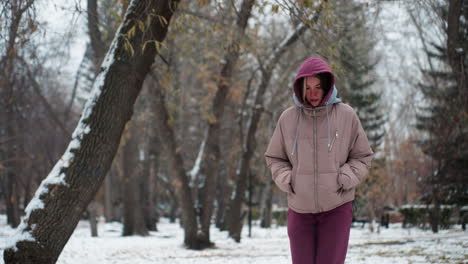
{"points": [[344, 180], [293, 178]]}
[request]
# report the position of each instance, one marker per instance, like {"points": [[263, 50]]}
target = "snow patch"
{"points": [[266, 246], [196, 167], [19, 235]]}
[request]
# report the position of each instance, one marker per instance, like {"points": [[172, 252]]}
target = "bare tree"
{"points": [[13, 13], [212, 153], [197, 205]]}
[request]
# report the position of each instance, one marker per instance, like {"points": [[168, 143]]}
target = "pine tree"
{"points": [[356, 87], [444, 118], [358, 80]]}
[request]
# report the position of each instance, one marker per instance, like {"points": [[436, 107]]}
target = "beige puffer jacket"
{"points": [[316, 175]]}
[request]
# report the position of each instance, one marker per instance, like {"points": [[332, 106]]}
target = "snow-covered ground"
{"points": [[393, 246]]}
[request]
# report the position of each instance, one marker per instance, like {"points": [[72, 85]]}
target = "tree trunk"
{"points": [[267, 204], [132, 181], [149, 193], [128, 182], [13, 218], [154, 168], [128, 205], [151, 168], [180, 179], [12, 167], [212, 150], [221, 198], [456, 47], [98, 46], [435, 214], [54, 212], [112, 203], [144, 210], [92, 212], [145, 194], [140, 224], [371, 212], [27, 191], [108, 210], [173, 211]]}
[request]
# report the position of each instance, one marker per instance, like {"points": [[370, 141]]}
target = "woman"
{"points": [[318, 154]]}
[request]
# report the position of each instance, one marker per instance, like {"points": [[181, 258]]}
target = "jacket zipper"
{"points": [[298, 166], [316, 161], [333, 141]]}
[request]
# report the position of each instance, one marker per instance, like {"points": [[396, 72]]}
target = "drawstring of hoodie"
{"points": [[328, 125], [298, 124]]}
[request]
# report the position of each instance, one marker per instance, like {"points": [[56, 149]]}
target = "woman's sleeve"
{"points": [[359, 160], [277, 160]]}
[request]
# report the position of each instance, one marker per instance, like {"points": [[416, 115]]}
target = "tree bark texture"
{"points": [[74, 182]]}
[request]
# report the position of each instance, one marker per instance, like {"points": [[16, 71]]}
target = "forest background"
{"points": [[136, 110]]}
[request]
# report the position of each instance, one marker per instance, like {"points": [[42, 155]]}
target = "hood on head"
{"points": [[311, 67]]}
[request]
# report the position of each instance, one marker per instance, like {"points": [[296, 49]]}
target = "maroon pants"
{"points": [[320, 238]]}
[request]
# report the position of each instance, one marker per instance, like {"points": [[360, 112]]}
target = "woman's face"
{"points": [[313, 90]]}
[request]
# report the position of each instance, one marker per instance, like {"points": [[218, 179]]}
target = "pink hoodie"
{"points": [[313, 66]]}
